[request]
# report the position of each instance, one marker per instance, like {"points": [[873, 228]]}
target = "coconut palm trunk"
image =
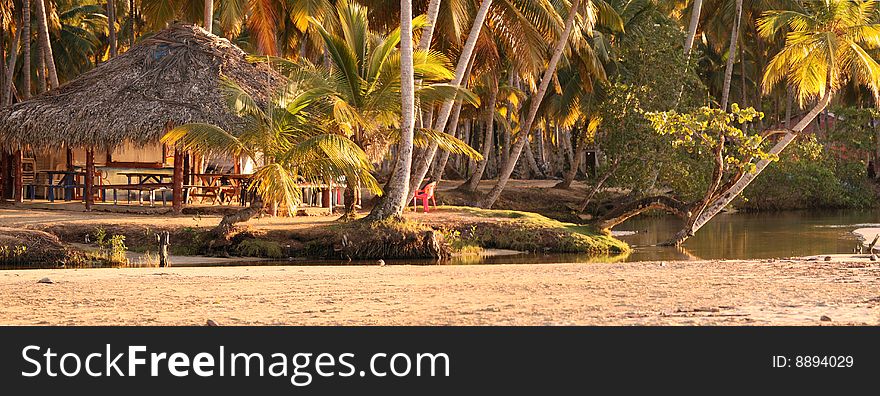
{"points": [[570, 175], [692, 28], [731, 56], [428, 31], [474, 181], [209, 15], [420, 167], [396, 194], [507, 168], [44, 44], [10, 70], [26, 48], [440, 165], [111, 28], [726, 197]]}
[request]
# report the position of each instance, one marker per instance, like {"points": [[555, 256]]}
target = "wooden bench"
{"points": [[139, 188]]}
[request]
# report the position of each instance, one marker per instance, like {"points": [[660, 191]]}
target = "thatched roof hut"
{"points": [[170, 77]]}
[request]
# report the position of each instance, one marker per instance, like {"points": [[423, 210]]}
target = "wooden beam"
{"points": [[177, 179], [18, 184], [90, 179]]}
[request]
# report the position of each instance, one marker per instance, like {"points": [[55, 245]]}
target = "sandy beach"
{"points": [[647, 293]]}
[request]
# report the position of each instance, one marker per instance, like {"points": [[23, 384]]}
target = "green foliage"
{"points": [[260, 248], [854, 128], [643, 59], [705, 130], [287, 136], [806, 177]]}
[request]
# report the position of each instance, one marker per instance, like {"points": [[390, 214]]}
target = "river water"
{"points": [[750, 235], [728, 236]]}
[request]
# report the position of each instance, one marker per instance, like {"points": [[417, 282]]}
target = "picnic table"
{"points": [[147, 177], [66, 180], [141, 182], [222, 187]]}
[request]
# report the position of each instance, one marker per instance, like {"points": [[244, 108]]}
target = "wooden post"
{"points": [[90, 179], [326, 198], [4, 174], [18, 184], [69, 163], [163, 238], [187, 168], [177, 189]]}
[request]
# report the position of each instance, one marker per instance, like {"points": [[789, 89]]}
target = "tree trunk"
{"points": [[473, 183], [737, 188], [540, 155], [876, 150], [788, 100], [533, 109], [18, 181], [41, 73], [440, 165], [397, 193], [531, 162], [692, 28], [420, 167], [428, 31], [177, 183], [227, 224], [111, 27], [209, 16], [742, 77], [8, 83], [731, 56], [43, 35], [626, 211], [26, 50], [4, 174], [132, 16], [598, 185], [572, 172]]}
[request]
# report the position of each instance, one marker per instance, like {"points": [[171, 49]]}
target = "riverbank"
{"points": [[440, 233], [647, 293]]}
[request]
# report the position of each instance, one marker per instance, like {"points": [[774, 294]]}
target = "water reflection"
{"points": [[751, 235]]}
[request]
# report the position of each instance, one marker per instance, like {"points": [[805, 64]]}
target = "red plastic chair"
{"points": [[426, 194]]}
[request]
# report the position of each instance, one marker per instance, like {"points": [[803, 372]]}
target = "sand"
{"points": [[673, 293]]}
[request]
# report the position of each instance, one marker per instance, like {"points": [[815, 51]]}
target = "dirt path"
{"points": [[677, 293]]}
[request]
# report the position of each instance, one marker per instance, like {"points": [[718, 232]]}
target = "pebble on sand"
{"points": [[45, 280], [211, 323], [825, 318]]}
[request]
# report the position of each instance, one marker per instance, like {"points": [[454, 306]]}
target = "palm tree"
{"points": [[595, 10], [827, 46], [111, 27], [78, 41], [363, 84], [26, 48], [44, 43], [692, 27], [396, 195], [209, 16], [287, 139], [424, 162], [731, 55]]}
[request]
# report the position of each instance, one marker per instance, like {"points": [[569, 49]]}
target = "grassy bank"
{"points": [[435, 235]]}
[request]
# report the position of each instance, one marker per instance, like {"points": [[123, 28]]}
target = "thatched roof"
{"points": [[172, 76]]}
